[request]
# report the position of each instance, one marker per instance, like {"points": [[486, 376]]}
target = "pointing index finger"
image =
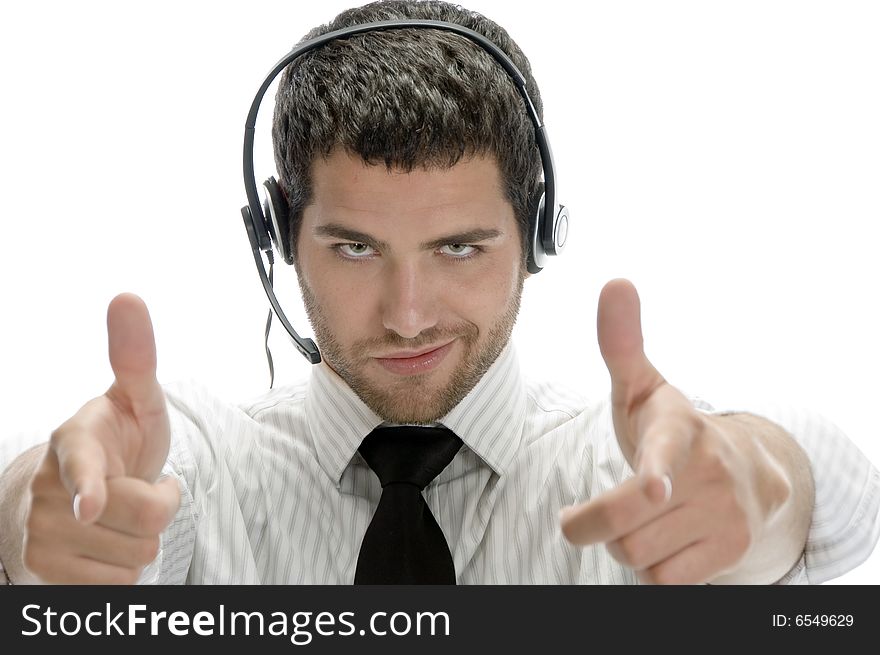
{"points": [[610, 515]]}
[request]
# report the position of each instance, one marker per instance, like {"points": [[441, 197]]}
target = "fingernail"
{"points": [[76, 500]]}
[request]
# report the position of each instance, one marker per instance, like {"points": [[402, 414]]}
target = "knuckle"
{"points": [[32, 525], [38, 557], [123, 576], [131, 576], [31, 557], [733, 509], [57, 435], [665, 575], [150, 517], [45, 479], [148, 550], [739, 534], [714, 467], [615, 551], [63, 432], [740, 541], [39, 521], [697, 423], [780, 492], [631, 551]]}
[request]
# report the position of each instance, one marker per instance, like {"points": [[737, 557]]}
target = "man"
{"points": [[410, 194]]}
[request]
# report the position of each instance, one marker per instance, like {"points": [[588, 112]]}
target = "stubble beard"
{"points": [[414, 399]]}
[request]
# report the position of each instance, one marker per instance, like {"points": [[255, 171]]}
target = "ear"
{"points": [[276, 211], [534, 259], [280, 183]]}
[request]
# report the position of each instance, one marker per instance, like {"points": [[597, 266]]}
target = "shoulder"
{"points": [[285, 399], [552, 407], [214, 439], [196, 402], [546, 396], [201, 420]]}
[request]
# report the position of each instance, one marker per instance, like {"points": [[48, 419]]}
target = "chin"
{"points": [[411, 400]]}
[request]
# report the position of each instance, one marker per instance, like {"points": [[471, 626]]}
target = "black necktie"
{"points": [[403, 543]]}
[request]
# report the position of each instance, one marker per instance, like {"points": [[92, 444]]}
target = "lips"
{"points": [[411, 355], [404, 363]]}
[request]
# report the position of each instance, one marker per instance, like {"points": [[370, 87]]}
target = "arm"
{"points": [[845, 522]]}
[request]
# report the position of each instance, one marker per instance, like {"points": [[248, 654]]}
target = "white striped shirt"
{"points": [[275, 491]]}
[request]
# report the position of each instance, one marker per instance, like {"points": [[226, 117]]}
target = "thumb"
{"points": [[619, 329], [132, 348]]}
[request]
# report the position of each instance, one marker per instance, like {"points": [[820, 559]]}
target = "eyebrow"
{"points": [[337, 231]]}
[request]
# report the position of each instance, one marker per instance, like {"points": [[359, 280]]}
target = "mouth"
{"points": [[415, 362]]}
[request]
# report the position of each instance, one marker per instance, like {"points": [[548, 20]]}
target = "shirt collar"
{"points": [[489, 420]]}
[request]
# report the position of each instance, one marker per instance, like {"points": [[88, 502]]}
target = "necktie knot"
{"points": [[409, 454]]}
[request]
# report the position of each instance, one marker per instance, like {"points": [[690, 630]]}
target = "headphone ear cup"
{"points": [[276, 211], [536, 255]]}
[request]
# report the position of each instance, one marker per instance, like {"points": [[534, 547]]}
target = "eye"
{"points": [[354, 250], [459, 250]]}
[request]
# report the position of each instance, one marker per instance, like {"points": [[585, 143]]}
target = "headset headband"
{"points": [[548, 234]]}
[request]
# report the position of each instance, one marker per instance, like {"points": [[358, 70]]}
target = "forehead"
{"points": [[370, 197]]}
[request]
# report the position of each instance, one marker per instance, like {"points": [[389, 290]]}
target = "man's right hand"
{"points": [[95, 508]]}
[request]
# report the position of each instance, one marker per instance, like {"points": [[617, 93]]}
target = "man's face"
{"points": [[411, 281]]}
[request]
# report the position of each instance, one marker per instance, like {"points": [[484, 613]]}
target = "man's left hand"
{"points": [[705, 501]]}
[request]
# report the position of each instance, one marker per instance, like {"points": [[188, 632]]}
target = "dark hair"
{"points": [[407, 98]]}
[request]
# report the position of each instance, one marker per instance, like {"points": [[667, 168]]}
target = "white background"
{"points": [[723, 156]]}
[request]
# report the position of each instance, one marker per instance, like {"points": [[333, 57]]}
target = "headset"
{"points": [[268, 225]]}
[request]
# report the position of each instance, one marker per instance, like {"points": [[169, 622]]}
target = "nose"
{"points": [[409, 302]]}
